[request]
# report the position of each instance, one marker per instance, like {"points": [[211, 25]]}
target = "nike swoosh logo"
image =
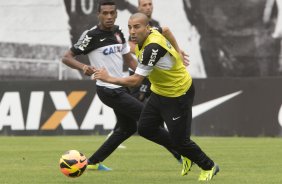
{"points": [[102, 39], [82, 160], [176, 118], [206, 106], [280, 116]]}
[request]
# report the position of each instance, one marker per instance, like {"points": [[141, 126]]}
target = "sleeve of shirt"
{"points": [[150, 56], [83, 45]]}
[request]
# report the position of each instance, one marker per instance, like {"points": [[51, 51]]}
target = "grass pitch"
{"points": [[33, 160]]}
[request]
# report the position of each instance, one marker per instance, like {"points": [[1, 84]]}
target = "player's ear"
{"points": [[116, 14]]}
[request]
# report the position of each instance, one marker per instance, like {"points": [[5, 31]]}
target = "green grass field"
{"points": [[33, 160]]}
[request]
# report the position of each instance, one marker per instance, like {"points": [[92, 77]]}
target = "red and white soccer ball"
{"points": [[73, 163]]}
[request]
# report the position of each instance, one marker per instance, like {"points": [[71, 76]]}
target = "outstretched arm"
{"points": [[130, 61], [69, 60], [130, 81]]}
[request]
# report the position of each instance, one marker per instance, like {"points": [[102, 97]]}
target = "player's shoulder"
{"points": [[89, 33], [118, 32], [87, 40], [153, 46], [154, 23], [117, 29], [152, 53], [94, 31]]}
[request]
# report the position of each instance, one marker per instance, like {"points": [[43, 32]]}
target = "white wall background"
{"points": [[34, 22], [42, 22]]}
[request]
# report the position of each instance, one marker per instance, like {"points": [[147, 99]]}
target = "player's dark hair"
{"points": [[105, 2]]}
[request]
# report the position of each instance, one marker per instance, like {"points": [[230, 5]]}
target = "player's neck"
{"points": [[140, 45], [101, 27]]}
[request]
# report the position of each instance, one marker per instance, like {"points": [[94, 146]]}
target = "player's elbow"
{"points": [[64, 60], [66, 57]]}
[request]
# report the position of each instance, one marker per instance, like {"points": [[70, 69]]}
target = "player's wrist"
{"points": [[84, 69]]}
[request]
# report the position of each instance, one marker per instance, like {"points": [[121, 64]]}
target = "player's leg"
{"points": [[115, 128], [150, 122], [178, 119], [142, 93], [128, 126], [175, 154], [157, 122], [127, 110]]}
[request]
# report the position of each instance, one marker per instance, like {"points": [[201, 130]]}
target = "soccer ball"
{"points": [[73, 163]]}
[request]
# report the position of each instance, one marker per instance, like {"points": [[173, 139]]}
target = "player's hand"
{"points": [[88, 70], [101, 74], [185, 58]]}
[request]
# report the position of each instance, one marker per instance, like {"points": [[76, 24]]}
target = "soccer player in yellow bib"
{"points": [[171, 99]]}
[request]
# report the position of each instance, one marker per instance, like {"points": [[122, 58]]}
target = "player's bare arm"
{"points": [[170, 37], [130, 61], [132, 46], [69, 60], [130, 81]]}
